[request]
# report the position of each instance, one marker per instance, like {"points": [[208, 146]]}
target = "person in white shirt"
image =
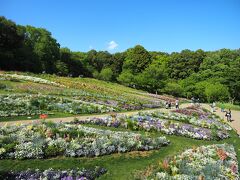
{"points": [[177, 104]]}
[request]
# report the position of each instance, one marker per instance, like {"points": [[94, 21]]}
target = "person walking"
{"points": [[177, 103], [169, 104], [222, 107], [213, 106], [193, 100], [230, 115], [166, 105], [198, 101]]}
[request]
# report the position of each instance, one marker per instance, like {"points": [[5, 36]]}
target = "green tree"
{"points": [[126, 78], [62, 68], [44, 46], [106, 74], [137, 59], [174, 89], [217, 92]]}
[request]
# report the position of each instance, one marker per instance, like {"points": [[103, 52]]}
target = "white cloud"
{"points": [[112, 45], [90, 47]]}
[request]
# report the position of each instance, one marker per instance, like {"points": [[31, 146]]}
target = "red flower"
{"points": [[43, 116], [234, 168]]}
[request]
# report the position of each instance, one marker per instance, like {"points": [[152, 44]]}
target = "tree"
{"points": [[10, 41], [174, 89], [126, 78], [153, 77], [217, 92], [106, 74], [62, 68], [137, 59], [44, 46], [181, 65]]}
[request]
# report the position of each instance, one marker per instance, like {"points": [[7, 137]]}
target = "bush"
{"points": [[3, 86], [52, 151]]}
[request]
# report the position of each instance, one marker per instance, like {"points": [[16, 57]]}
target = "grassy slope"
{"points": [[76, 85], [86, 88]]}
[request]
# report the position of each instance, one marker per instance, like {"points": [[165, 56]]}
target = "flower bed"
{"points": [[194, 111], [206, 162], [199, 117], [210, 121], [29, 78], [23, 104], [53, 139], [50, 174], [149, 122]]}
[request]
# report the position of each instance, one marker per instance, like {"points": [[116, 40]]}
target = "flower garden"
{"points": [[218, 161], [187, 143], [202, 126], [54, 139]]}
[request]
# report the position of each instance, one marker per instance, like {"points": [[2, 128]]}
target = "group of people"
{"points": [[195, 101], [228, 114], [168, 104]]}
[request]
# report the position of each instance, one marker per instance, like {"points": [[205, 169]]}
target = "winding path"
{"points": [[235, 116]]}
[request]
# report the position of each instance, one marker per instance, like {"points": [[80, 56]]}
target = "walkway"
{"points": [[235, 116]]}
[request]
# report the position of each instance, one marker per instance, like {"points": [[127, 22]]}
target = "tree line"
{"points": [[208, 75]]}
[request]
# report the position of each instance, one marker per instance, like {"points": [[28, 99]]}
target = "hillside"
{"points": [[28, 95]]}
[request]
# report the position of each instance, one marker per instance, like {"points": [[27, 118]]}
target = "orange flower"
{"points": [[221, 154], [165, 164], [43, 116]]}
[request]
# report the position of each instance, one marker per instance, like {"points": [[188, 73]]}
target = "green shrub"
{"points": [[3, 86], [10, 147], [52, 151]]}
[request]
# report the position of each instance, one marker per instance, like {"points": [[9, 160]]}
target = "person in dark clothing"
{"points": [[230, 115], [169, 104]]}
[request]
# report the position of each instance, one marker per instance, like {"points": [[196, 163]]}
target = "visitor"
{"points": [[230, 115], [177, 103], [193, 100], [198, 102], [169, 104], [222, 107], [213, 106], [166, 105]]}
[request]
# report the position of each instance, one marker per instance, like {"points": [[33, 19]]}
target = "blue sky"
{"points": [[114, 25]]}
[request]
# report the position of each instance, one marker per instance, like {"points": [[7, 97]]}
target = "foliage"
{"points": [[216, 92], [106, 74]]}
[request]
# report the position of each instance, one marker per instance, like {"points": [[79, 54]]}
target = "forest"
{"points": [[207, 75]]}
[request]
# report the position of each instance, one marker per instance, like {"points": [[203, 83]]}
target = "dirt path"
{"points": [[68, 119], [235, 116]]}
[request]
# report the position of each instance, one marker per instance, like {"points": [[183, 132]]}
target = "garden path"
{"points": [[235, 116]]}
